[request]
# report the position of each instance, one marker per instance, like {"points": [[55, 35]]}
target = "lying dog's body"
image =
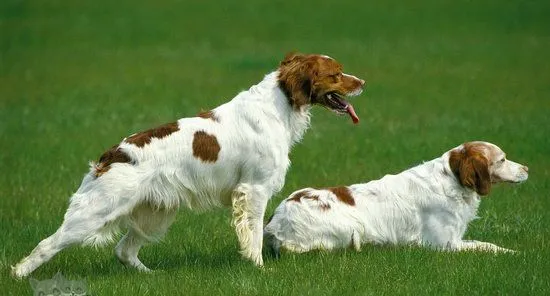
{"points": [[235, 155], [430, 204]]}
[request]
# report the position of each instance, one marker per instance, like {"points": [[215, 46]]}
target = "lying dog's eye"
{"points": [[502, 160]]}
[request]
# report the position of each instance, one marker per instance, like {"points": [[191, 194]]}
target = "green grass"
{"points": [[77, 76]]}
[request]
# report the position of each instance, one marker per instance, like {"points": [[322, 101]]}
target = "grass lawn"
{"points": [[77, 76]]}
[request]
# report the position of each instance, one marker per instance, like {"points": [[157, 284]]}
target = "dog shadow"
{"points": [[196, 258], [107, 265]]}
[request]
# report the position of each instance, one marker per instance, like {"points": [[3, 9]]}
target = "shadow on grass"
{"points": [[79, 265], [196, 258]]}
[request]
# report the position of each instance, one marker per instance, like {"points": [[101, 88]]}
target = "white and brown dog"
{"points": [[430, 205], [235, 155]]}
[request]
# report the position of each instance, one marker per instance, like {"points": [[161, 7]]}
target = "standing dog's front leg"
{"points": [[249, 203]]}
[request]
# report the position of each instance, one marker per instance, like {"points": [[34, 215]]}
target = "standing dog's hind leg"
{"points": [[92, 218], [147, 224], [128, 248], [81, 225], [42, 253]]}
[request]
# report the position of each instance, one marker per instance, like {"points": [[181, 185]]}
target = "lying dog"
{"points": [[234, 155], [430, 204]]}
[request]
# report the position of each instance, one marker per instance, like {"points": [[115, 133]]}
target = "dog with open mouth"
{"points": [[235, 155], [318, 79]]}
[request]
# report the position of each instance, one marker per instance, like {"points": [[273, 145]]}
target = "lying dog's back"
{"points": [[379, 211], [427, 205]]}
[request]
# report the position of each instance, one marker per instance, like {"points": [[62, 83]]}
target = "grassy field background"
{"points": [[77, 76]]}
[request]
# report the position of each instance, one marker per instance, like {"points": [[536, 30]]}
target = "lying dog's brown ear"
{"points": [[472, 169]]}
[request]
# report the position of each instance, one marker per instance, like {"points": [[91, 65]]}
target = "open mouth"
{"points": [[336, 102]]}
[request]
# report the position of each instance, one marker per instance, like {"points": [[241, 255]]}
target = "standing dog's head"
{"points": [[477, 165], [317, 79]]}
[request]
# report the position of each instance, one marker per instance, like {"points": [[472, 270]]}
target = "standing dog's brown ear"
{"points": [[472, 169], [289, 57], [296, 76]]}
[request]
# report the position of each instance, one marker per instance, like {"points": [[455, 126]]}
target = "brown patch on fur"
{"points": [[322, 206], [143, 138], [306, 79], [312, 197], [205, 146], [209, 115], [343, 194], [110, 156], [471, 167], [298, 196]]}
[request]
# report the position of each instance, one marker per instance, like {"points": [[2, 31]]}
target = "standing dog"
{"points": [[235, 155], [430, 204]]}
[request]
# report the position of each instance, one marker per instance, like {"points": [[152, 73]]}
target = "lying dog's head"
{"points": [[477, 165], [318, 79]]}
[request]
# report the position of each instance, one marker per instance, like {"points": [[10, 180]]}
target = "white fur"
{"points": [[424, 205], [255, 132]]}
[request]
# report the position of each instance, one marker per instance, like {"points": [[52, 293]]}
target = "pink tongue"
{"points": [[352, 114]]}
